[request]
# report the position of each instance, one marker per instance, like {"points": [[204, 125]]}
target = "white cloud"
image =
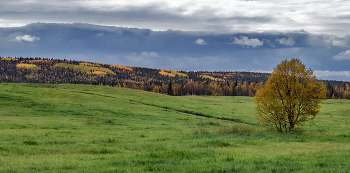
{"points": [[149, 55], [12, 23], [339, 43], [26, 38], [200, 42], [328, 41], [332, 73], [342, 55], [288, 42], [262, 71], [143, 59], [142, 55], [245, 41]]}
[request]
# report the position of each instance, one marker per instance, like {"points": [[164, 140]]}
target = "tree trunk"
{"points": [[291, 127]]}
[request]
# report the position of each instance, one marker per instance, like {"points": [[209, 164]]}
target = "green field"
{"points": [[85, 128]]}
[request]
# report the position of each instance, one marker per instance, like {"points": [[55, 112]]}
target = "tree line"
{"points": [[43, 70]]}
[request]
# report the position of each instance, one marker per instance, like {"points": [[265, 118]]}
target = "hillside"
{"points": [[87, 72], [178, 83], [86, 128]]}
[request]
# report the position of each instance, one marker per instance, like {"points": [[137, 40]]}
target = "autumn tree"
{"points": [[156, 89], [290, 97]]}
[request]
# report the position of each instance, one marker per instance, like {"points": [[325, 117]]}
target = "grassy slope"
{"points": [[82, 128]]}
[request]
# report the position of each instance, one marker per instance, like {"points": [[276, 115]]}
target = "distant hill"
{"points": [[55, 71]]}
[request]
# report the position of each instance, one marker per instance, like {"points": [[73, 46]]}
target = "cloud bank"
{"points": [[224, 16]]}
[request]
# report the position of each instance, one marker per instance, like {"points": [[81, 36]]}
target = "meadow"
{"points": [[85, 128]]}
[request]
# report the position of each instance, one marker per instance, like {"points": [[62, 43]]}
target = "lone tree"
{"points": [[291, 96]]}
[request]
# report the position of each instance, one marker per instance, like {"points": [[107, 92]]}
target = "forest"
{"points": [[171, 82]]}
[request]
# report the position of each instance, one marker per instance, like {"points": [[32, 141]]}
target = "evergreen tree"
{"points": [[170, 89]]}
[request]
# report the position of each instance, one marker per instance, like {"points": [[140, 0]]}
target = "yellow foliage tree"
{"points": [[156, 89], [291, 96]]}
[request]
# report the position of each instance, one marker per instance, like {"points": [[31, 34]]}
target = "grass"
{"points": [[28, 66], [85, 67], [9, 59], [83, 128], [122, 67], [172, 73], [211, 78]]}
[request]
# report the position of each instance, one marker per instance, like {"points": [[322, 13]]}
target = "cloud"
{"points": [[342, 56], [339, 43], [200, 42], [143, 59], [26, 38], [288, 42], [245, 41], [218, 16], [142, 55], [149, 55], [332, 75], [325, 73], [328, 41]]}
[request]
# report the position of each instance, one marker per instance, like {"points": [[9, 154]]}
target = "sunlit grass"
{"points": [[99, 73], [40, 61], [90, 64], [9, 59], [83, 128], [121, 67], [28, 66], [211, 78], [172, 73], [85, 67]]}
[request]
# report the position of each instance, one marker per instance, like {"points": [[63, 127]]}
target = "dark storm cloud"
{"points": [[143, 17], [225, 16]]}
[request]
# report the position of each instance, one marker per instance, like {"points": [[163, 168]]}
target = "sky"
{"points": [[190, 35]]}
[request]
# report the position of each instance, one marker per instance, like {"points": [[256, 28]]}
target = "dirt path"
{"points": [[196, 115], [213, 118]]}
